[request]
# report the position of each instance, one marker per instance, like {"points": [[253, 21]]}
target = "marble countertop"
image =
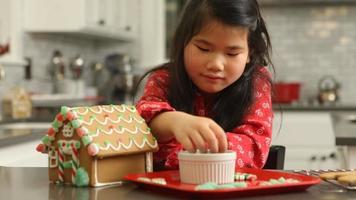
{"points": [[14, 133]]}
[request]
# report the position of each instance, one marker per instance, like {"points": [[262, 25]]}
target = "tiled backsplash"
{"points": [[40, 47], [311, 41]]}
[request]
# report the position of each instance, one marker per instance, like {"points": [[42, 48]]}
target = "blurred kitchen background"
{"points": [[87, 52]]}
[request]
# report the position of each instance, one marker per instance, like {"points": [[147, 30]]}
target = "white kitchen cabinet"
{"points": [[10, 32], [309, 139], [99, 18]]}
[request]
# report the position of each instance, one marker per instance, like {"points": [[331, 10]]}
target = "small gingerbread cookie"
{"points": [[335, 175], [347, 180]]}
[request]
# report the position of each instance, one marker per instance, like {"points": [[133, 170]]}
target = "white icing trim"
{"points": [[117, 148], [118, 120], [149, 166], [119, 131], [100, 109]]}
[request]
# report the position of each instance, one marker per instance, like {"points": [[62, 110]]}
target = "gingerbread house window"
{"points": [[68, 130], [53, 157]]}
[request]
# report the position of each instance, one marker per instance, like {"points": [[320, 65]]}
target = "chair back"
{"points": [[276, 157]]}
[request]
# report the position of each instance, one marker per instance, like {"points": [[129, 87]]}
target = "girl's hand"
{"points": [[193, 132]]}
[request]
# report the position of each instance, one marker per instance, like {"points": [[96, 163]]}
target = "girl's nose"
{"points": [[216, 63]]}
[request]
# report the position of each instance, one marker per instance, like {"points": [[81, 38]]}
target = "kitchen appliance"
{"points": [[286, 92], [121, 81], [328, 90], [56, 68], [76, 67]]}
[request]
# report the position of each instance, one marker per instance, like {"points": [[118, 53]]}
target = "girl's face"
{"points": [[216, 57]]}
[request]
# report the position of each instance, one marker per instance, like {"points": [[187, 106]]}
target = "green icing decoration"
{"points": [[45, 140], [148, 129], [133, 108], [92, 117], [67, 165], [106, 142], [81, 178], [77, 145], [86, 140], [75, 123], [207, 186]]}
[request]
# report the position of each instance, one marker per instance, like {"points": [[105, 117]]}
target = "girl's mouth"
{"points": [[212, 77]]}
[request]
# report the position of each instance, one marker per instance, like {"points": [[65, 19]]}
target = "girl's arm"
{"points": [[252, 139], [192, 132]]}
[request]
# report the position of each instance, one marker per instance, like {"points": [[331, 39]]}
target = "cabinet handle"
{"points": [[313, 158], [333, 155], [101, 22], [2, 72], [128, 28]]}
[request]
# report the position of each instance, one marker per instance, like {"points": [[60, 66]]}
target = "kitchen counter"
{"points": [[15, 133], [317, 107], [344, 124], [32, 183]]}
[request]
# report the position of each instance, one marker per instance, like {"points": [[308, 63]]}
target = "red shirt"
{"points": [[250, 140]]}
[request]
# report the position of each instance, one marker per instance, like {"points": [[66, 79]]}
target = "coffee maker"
{"points": [[121, 82]]}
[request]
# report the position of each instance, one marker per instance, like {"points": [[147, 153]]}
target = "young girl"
{"points": [[215, 93]]}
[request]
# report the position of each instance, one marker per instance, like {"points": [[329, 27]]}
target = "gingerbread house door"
{"points": [[67, 155]]}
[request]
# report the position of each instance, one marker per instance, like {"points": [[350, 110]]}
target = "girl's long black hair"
{"points": [[234, 101]]}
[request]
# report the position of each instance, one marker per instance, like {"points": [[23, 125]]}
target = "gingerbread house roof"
{"points": [[105, 130]]}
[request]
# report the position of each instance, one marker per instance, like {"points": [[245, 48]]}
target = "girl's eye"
{"points": [[202, 49], [232, 54]]}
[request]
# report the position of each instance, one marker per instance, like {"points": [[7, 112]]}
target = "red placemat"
{"points": [[175, 187]]}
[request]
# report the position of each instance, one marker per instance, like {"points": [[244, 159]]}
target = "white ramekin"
{"points": [[198, 168]]}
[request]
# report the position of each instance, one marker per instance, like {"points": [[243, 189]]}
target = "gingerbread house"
{"points": [[98, 145], [17, 104]]}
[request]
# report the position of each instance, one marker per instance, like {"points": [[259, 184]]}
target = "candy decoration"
{"points": [[214, 186], [75, 123], [82, 178], [75, 162], [51, 133], [245, 177], [60, 117], [55, 125], [64, 110], [41, 148], [93, 149], [70, 116], [87, 140], [45, 140], [60, 165], [82, 131]]}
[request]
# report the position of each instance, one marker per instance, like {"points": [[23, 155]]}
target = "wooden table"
{"points": [[32, 183]]}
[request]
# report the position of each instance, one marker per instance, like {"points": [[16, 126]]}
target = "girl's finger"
{"points": [[210, 140], [220, 136], [188, 144], [198, 141]]}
